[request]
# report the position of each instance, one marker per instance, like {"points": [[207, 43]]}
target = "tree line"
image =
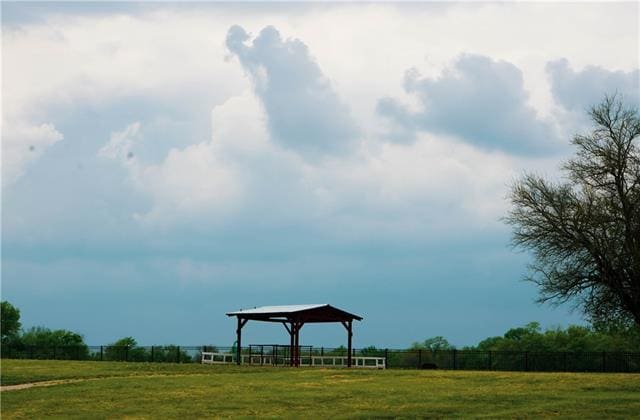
{"points": [[609, 337], [42, 342], [531, 338]]}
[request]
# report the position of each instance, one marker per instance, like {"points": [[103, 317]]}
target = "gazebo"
{"points": [[293, 317]]}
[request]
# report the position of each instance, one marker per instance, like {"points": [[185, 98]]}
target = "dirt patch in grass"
{"points": [[41, 383], [18, 387]]}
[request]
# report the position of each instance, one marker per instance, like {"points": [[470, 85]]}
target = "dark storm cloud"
{"points": [[480, 100], [304, 112], [578, 90]]}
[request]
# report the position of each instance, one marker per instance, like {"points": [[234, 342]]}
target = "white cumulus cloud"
{"points": [[23, 143], [121, 143]]}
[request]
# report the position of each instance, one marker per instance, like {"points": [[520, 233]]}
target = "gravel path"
{"points": [[75, 380], [39, 384]]}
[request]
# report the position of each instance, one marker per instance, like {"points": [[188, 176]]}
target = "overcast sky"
{"points": [[163, 164]]}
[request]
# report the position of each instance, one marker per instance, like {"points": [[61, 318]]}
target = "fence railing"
{"points": [[407, 359], [271, 359]]}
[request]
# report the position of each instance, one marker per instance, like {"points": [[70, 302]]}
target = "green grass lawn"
{"points": [[141, 390]]}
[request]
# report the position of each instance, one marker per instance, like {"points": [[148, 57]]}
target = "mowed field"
{"points": [[143, 390]]}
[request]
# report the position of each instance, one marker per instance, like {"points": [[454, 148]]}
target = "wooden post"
{"points": [[291, 351], [297, 345], [299, 354], [349, 342], [239, 341]]}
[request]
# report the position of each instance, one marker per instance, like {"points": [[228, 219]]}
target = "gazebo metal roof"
{"points": [[306, 313], [293, 317]]}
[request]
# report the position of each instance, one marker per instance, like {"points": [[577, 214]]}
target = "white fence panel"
{"points": [[310, 361]]}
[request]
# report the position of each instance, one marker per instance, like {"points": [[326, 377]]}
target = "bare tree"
{"points": [[585, 232]]}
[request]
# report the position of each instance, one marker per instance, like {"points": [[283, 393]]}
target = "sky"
{"points": [[163, 163]]}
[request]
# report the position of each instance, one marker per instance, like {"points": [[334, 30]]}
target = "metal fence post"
{"points": [[626, 362], [386, 358]]}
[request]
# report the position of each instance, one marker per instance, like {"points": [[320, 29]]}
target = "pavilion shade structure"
{"points": [[293, 317], [306, 313]]}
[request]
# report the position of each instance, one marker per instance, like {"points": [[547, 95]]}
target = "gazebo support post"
{"points": [[297, 345], [349, 327], [241, 323], [292, 347]]}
